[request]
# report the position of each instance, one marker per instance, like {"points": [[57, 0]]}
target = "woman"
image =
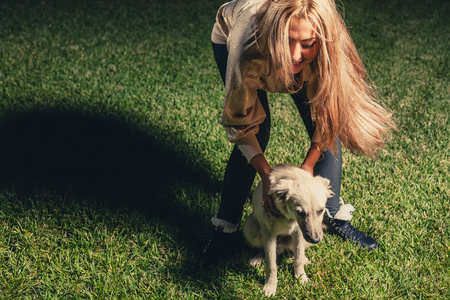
{"points": [[300, 47]]}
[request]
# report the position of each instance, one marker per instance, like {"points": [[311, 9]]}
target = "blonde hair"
{"points": [[342, 100]]}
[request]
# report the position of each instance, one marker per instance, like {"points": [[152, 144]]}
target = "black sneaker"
{"points": [[348, 232], [221, 246]]}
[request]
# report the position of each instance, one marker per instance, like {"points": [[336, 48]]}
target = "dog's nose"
{"points": [[315, 240], [312, 240]]}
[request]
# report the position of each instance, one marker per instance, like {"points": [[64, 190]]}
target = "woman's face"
{"points": [[303, 43]]}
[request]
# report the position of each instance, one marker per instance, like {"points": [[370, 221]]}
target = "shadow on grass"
{"points": [[99, 159], [85, 157]]}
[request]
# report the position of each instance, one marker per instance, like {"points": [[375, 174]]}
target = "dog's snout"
{"points": [[312, 231], [314, 240]]}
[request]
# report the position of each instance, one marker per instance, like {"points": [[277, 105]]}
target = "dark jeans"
{"points": [[239, 174]]}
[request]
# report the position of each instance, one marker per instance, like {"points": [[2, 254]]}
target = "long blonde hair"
{"points": [[342, 100]]}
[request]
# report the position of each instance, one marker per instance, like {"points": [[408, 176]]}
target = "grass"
{"points": [[111, 156]]}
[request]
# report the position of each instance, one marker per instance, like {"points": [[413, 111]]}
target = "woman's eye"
{"points": [[309, 46]]}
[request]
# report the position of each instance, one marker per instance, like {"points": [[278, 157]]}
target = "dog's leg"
{"points": [[300, 260], [252, 233], [270, 247]]}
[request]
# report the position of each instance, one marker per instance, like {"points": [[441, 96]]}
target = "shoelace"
{"points": [[217, 230], [346, 230]]}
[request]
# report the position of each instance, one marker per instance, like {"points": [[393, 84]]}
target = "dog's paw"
{"points": [[257, 260], [299, 271], [270, 289], [302, 276]]}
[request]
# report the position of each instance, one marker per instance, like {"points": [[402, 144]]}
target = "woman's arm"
{"points": [[261, 166], [314, 154]]}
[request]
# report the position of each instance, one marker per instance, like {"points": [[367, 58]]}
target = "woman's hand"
{"points": [[262, 167], [313, 155], [307, 168], [267, 201]]}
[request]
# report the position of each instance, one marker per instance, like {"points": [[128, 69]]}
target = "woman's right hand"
{"points": [[267, 201], [262, 167]]}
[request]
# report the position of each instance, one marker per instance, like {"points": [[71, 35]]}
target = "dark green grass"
{"points": [[111, 156]]}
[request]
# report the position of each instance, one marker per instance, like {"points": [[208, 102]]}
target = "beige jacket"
{"points": [[247, 71]]}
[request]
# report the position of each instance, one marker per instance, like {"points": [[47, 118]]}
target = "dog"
{"points": [[300, 198]]}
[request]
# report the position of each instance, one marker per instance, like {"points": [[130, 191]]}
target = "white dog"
{"points": [[301, 199]]}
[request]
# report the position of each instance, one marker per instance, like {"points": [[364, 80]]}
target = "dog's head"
{"points": [[301, 196]]}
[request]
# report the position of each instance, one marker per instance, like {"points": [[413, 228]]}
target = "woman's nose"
{"points": [[296, 51]]}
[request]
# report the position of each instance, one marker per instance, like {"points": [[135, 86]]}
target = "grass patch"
{"points": [[111, 155]]}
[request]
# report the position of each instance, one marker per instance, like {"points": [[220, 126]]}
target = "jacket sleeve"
{"points": [[242, 110]]}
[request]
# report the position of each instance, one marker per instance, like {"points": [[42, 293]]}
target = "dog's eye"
{"points": [[320, 212], [301, 214], [282, 194]]}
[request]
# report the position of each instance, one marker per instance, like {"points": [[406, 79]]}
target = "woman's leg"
{"points": [[331, 165], [237, 182], [338, 216], [239, 174]]}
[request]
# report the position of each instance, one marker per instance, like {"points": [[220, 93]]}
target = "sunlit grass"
{"points": [[111, 156]]}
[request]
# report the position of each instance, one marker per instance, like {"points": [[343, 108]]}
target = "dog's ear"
{"points": [[326, 183], [282, 194]]}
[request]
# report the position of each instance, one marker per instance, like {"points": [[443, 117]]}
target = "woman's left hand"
{"points": [[307, 168]]}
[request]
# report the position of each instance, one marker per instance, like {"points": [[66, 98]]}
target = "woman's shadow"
{"points": [[108, 161]]}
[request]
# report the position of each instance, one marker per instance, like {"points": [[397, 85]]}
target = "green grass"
{"points": [[111, 156]]}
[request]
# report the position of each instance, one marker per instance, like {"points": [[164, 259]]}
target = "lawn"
{"points": [[111, 155]]}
